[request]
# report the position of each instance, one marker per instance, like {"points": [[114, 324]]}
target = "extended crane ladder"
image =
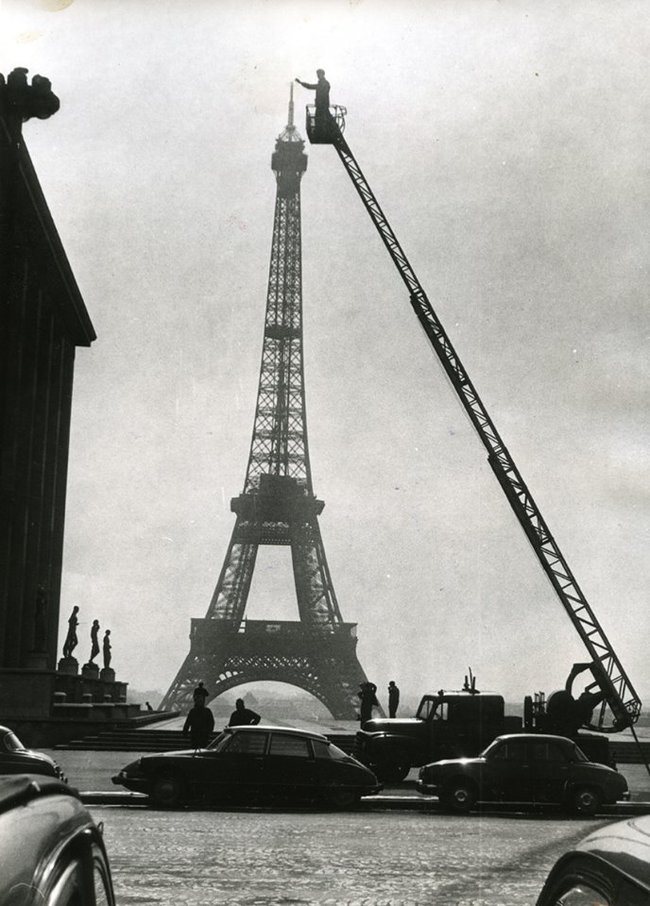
{"points": [[609, 674]]}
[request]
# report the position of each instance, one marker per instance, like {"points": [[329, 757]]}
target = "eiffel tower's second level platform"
{"points": [[277, 499]]}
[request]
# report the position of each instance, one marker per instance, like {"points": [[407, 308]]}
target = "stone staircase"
{"points": [[149, 740]]}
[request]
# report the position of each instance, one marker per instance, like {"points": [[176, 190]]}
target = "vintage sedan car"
{"points": [[525, 767], [610, 867], [51, 851], [253, 764], [16, 759]]}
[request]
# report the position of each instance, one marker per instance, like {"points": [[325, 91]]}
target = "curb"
{"points": [[386, 802]]}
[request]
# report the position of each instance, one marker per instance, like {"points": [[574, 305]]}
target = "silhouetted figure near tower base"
{"points": [[369, 701], [393, 699], [199, 724], [243, 716]]}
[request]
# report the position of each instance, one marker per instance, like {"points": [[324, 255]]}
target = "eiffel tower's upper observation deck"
{"points": [[289, 160]]}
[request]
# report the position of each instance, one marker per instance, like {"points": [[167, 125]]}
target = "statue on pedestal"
{"points": [[107, 649], [91, 670], [94, 643], [71, 639], [68, 664], [107, 673]]}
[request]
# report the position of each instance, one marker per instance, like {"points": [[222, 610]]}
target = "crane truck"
{"points": [[463, 722]]}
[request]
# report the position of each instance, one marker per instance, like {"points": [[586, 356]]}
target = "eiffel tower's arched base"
{"points": [[322, 661]]}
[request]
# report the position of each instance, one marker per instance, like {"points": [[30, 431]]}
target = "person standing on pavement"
{"points": [[243, 716], [368, 700], [393, 699], [200, 693], [199, 724]]}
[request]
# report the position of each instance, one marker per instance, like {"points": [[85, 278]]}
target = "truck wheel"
{"points": [[585, 801], [393, 771], [167, 791], [459, 796]]}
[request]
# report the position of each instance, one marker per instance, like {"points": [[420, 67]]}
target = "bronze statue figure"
{"points": [[106, 644], [94, 648], [71, 639]]}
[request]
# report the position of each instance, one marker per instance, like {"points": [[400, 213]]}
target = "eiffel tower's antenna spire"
{"points": [[290, 123], [290, 133]]}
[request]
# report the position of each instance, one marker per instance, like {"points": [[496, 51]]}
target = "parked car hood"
{"points": [[392, 724], [463, 761], [35, 756], [180, 753]]}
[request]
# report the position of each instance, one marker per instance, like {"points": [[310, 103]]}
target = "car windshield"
{"points": [[427, 707], [327, 750], [494, 746], [217, 743], [578, 754], [12, 743], [336, 753]]}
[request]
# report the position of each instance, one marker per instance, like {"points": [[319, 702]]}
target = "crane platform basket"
{"points": [[322, 128]]}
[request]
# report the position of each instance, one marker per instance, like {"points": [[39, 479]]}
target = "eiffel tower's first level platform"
{"points": [[321, 659]]}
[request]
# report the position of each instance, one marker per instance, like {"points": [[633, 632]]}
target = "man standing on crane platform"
{"points": [[322, 88]]}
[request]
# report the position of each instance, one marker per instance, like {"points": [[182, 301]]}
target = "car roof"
{"points": [[536, 737], [291, 731]]}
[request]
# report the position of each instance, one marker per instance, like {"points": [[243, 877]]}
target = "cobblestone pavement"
{"points": [[268, 857]]}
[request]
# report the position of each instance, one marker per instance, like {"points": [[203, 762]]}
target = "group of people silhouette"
{"points": [[199, 723], [367, 695]]}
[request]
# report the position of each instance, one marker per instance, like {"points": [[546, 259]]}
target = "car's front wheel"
{"points": [[585, 801], [167, 791], [459, 796]]}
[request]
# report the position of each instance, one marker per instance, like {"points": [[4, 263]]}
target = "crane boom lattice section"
{"points": [[609, 674]]}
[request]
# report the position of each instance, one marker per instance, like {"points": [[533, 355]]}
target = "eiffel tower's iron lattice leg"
{"points": [[316, 653], [277, 507]]}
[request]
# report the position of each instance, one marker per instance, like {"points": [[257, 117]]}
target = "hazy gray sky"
{"points": [[507, 143]]}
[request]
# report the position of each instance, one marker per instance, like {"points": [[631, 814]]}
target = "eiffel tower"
{"points": [[277, 507]]}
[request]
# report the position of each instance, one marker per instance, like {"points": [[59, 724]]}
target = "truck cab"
{"points": [[446, 725]]}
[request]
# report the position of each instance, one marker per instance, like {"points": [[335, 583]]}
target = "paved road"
{"points": [[396, 858]]}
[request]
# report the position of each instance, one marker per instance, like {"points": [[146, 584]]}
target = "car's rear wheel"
{"points": [[167, 791], [459, 796], [585, 801]]}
